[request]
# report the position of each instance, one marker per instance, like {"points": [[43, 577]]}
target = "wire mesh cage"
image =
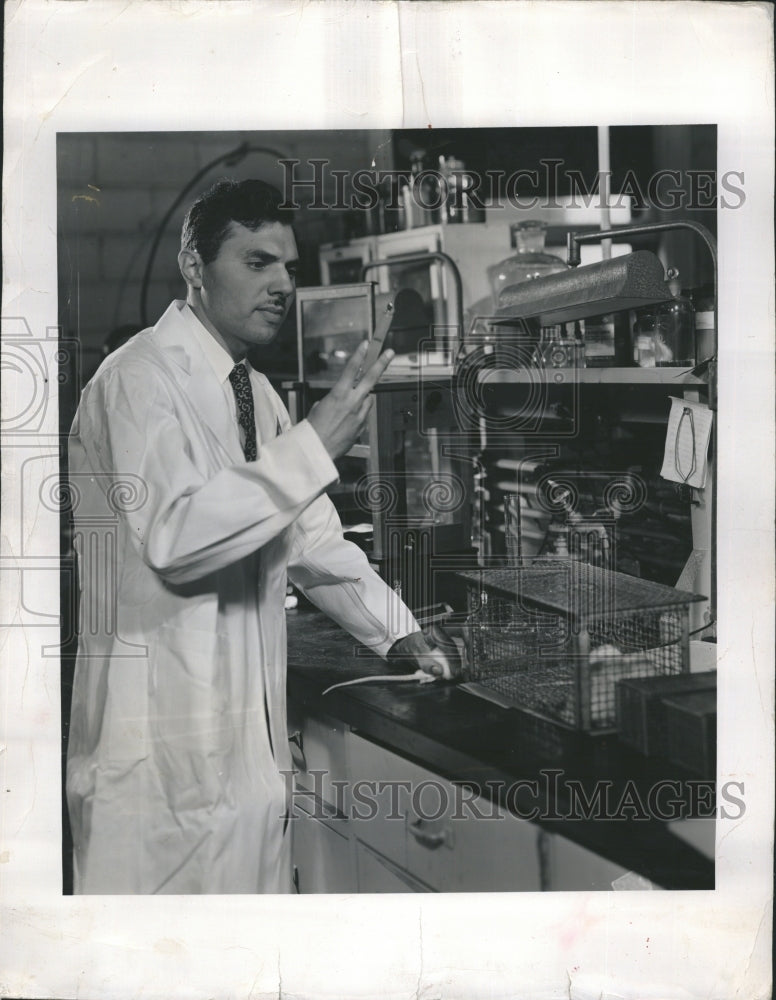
{"points": [[555, 637]]}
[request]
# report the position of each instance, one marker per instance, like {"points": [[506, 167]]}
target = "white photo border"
{"points": [[232, 65]]}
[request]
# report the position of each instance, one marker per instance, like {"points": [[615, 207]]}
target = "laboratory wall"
{"points": [[115, 188]]}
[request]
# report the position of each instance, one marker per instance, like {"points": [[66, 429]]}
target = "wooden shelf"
{"points": [[590, 376]]}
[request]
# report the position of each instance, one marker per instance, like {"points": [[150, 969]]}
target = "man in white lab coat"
{"points": [[194, 499]]}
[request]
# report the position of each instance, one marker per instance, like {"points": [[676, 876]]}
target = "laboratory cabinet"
{"points": [[367, 819], [377, 874], [471, 248], [341, 263], [568, 867], [322, 855], [440, 834], [317, 745], [404, 492], [321, 851], [581, 473]]}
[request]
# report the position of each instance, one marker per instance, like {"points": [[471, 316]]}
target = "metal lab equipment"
{"points": [[553, 637], [404, 488], [341, 263], [623, 284], [416, 489], [331, 322], [407, 269]]}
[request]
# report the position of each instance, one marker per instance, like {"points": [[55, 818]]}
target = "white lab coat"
{"points": [[174, 767]]}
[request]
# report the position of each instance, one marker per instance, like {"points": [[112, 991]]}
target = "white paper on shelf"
{"points": [[689, 430]]}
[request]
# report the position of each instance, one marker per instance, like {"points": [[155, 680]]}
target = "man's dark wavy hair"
{"points": [[252, 203]]}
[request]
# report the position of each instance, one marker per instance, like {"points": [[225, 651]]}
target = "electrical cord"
{"points": [[231, 159]]}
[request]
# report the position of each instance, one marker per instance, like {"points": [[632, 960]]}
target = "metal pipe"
{"points": [[419, 258], [605, 185]]}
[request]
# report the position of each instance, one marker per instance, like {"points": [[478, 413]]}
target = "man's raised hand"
{"points": [[339, 417]]}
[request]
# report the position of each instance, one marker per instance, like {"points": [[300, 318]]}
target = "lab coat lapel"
{"points": [[195, 376]]}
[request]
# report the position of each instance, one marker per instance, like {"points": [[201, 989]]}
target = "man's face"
{"points": [[247, 290]]}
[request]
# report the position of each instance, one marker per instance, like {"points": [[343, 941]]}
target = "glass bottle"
{"points": [[528, 263], [675, 334], [705, 331], [389, 206], [425, 193], [458, 206], [607, 341], [644, 333]]}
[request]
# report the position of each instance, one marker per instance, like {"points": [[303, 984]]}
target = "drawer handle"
{"points": [[427, 838], [295, 739]]}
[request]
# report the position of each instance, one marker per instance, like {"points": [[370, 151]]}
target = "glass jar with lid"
{"points": [[531, 260]]}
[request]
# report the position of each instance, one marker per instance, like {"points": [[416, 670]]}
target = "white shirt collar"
{"points": [[219, 359]]}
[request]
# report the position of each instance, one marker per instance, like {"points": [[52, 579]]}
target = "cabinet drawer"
{"points": [[321, 855], [571, 868], [473, 846], [378, 874], [438, 833], [496, 853], [317, 745], [380, 784]]}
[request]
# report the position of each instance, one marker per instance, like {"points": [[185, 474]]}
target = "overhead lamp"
{"points": [[632, 281]]}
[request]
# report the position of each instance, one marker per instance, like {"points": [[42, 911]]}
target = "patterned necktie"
{"points": [[241, 384]]}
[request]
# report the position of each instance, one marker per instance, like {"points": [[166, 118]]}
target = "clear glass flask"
{"points": [[530, 262]]}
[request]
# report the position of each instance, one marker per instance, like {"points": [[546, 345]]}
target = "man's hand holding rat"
{"points": [[436, 652]]}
